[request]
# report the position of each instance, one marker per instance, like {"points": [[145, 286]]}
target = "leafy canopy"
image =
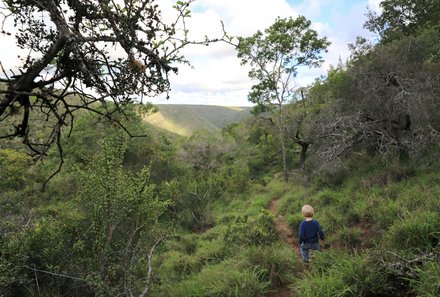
{"points": [[400, 18], [276, 54]]}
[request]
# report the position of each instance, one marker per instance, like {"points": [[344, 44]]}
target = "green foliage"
{"points": [[419, 230], [351, 237], [291, 38], [122, 213], [187, 120], [178, 265], [410, 272], [342, 274], [277, 262], [428, 282], [400, 18], [244, 230], [14, 166], [221, 280]]}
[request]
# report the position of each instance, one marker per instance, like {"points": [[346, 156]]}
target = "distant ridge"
{"points": [[187, 119]]}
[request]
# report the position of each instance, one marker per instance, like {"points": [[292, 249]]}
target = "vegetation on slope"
{"points": [[168, 216], [187, 119]]}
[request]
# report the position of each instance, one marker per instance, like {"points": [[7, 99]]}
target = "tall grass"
{"points": [[278, 262], [428, 282], [418, 230], [221, 280], [342, 274]]}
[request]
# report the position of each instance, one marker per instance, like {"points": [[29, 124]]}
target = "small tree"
{"points": [[122, 214], [274, 57]]}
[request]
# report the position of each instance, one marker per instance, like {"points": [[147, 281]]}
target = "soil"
{"points": [[284, 229], [288, 234]]}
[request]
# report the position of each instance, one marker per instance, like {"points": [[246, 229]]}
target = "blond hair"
{"points": [[307, 211]]}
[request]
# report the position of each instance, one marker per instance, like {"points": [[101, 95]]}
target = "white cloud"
{"points": [[216, 67], [374, 4], [217, 77]]}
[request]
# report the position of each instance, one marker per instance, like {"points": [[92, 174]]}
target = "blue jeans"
{"points": [[305, 247]]}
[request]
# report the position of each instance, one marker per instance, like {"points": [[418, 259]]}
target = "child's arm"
{"points": [[320, 232], [301, 233]]}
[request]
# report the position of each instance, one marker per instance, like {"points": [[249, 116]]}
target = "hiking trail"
{"points": [[288, 235], [284, 229]]}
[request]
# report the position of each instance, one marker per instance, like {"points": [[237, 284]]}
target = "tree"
{"points": [[400, 18], [299, 125], [384, 103], [121, 212], [274, 57], [85, 55]]}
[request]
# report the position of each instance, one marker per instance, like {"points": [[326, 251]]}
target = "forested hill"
{"points": [[128, 210], [186, 119]]}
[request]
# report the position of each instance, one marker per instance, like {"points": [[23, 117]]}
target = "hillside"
{"points": [[187, 119]]}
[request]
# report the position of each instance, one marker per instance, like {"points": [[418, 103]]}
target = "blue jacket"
{"points": [[309, 232]]}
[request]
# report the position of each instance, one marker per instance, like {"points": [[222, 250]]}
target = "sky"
{"points": [[216, 76]]}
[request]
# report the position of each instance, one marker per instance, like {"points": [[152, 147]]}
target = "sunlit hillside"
{"points": [[186, 119]]}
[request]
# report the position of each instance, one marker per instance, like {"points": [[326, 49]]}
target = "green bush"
{"points": [[421, 230], [322, 285], [278, 263], [258, 230], [410, 272], [221, 280], [327, 197], [293, 220], [259, 202], [178, 265], [331, 219], [212, 251], [428, 282], [342, 274], [385, 213], [351, 237], [14, 169]]}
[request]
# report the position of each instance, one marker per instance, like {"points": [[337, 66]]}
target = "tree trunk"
{"points": [[303, 154], [283, 145]]}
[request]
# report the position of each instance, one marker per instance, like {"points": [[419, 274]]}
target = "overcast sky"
{"points": [[217, 77]]}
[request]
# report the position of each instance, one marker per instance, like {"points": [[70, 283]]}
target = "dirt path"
{"points": [[284, 228], [288, 234]]}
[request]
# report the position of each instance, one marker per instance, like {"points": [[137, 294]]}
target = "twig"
{"points": [[56, 274], [150, 256]]}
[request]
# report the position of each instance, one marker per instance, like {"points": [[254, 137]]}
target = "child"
{"points": [[309, 233]]}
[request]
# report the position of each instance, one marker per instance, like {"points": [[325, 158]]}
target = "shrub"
{"points": [[331, 219], [277, 263], [327, 197], [212, 251], [410, 273], [420, 231], [221, 280], [351, 237], [342, 274], [14, 169], [428, 282], [322, 285], [251, 231], [294, 220], [178, 265]]}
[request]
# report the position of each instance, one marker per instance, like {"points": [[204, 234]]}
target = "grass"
{"points": [[341, 274], [243, 256], [223, 279], [428, 283], [278, 262]]}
